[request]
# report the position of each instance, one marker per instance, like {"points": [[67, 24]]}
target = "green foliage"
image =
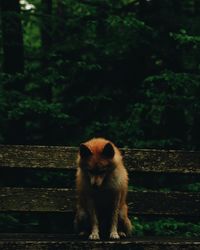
{"points": [[35, 106], [127, 70], [159, 227], [193, 187], [159, 119], [8, 220], [165, 227], [123, 70], [183, 38], [165, 96], [33, 109]]}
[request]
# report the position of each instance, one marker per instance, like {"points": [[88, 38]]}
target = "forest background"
{"points": [[128, 70]]}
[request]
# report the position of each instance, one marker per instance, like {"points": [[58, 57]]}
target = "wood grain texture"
{"points": [[38, 156], [164, 161], [63, 200], [69, 242], [56, 157]]}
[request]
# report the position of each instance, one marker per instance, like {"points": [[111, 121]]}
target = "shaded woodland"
{"points": [[127, 70]]}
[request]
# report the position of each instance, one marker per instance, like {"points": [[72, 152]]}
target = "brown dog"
{"points": [[102, 185]]}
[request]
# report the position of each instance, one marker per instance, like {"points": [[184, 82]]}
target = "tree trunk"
{"points": [[13, 51], [46, 40], [13, 62], [46, 30]]}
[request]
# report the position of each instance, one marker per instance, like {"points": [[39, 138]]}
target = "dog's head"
{"points": [[96, 160]]}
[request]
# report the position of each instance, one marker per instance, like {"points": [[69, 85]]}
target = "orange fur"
{"points": [[102, 185]]}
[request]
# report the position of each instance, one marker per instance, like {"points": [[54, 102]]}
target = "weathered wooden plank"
{"points": [[63, 200], [57, 157], [37, 199], [165, 161], [38, 156], [67, 242]]}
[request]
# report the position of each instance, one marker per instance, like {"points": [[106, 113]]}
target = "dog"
{"points": [[102, 186]]}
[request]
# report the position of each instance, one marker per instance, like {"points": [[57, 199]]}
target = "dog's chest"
{"points": [[104, 200]]}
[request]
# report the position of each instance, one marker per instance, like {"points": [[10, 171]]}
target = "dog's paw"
{"points": [[94, 236], [122, 235], [114, 235]]}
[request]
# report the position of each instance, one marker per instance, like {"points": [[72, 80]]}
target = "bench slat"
{"points": [[59, 157], [68, 242], [38, 157], [63, 200]]}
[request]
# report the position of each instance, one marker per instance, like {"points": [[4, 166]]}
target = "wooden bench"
{"points": [[62, 200]]}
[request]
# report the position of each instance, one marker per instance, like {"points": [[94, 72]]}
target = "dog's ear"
{"points": [[84, 151], [108, 151]]}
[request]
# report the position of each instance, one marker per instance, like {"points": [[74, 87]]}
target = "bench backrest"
{"points": [[42, 199]]}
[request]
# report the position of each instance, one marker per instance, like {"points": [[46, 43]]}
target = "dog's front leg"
{"points": [[94, 235], [114, 218]]}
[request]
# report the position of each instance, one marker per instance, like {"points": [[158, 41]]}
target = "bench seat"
{"points": [[43, 200], [40, 241]]}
